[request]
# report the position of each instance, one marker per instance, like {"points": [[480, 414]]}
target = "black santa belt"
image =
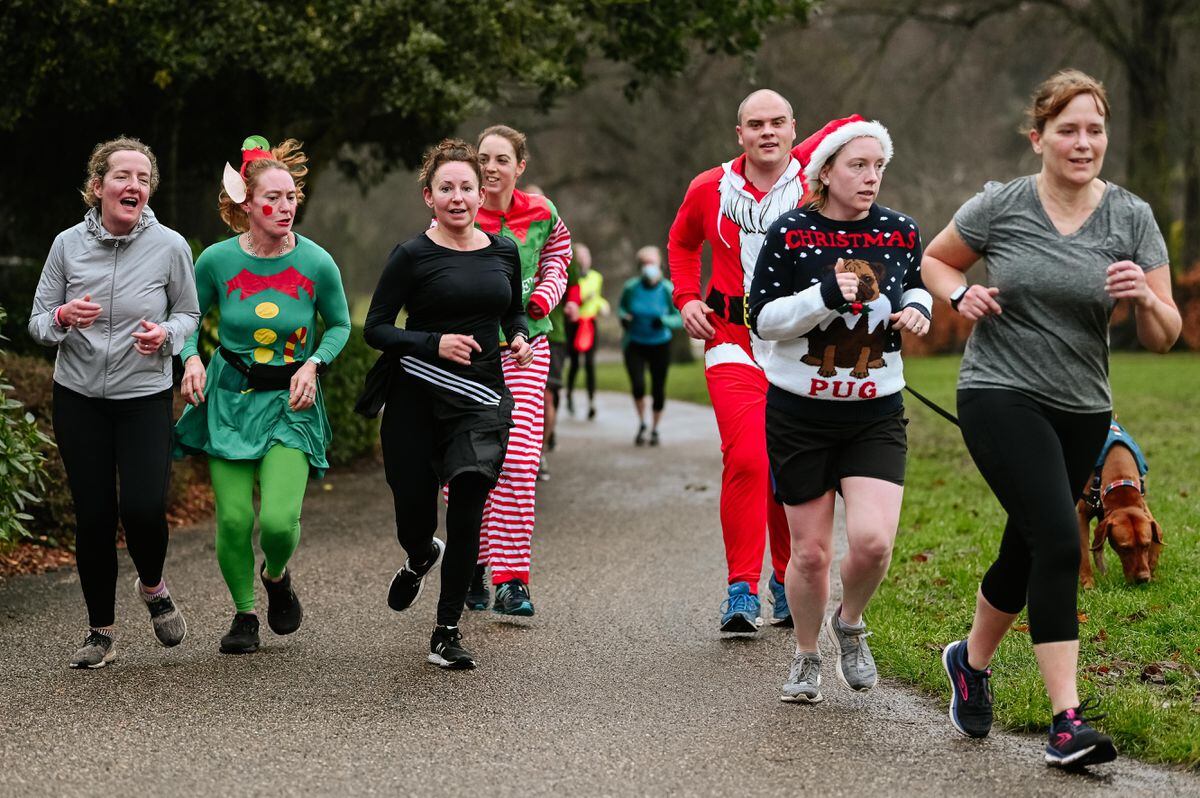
{"points": [[730, 308]]}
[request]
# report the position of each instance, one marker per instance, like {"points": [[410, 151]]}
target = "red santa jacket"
{"points": [[724, 209]]}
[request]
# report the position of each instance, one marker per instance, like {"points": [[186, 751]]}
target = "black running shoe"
{"points": [[478, 595], [446, 650], [408, 582], [640, 438], [970, 692], [169, 626], [284, 613], [1074, 742], [592, 413], [654, 437], [242, 637], [512, 598]]}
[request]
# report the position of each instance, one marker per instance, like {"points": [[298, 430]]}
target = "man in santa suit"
{"points": [[730, 207]]}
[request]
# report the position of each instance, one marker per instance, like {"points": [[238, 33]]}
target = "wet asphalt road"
{"points": [[620, 685]]}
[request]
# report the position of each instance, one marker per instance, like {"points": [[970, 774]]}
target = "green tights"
{"points": [[282, 477]]}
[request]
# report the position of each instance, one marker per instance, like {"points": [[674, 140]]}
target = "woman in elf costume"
{"points": [[544, 244], [257, 411]]}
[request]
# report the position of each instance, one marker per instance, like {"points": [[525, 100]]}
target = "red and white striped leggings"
{"points": [[507, 529]]}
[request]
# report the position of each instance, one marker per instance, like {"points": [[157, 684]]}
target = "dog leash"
{"points": [[932, 405]]}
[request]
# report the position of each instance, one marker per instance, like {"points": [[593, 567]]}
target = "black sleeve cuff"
{"points": [[831, 295], [924, 311]]}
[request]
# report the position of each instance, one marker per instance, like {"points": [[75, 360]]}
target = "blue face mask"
{"points": [[651, 272]]}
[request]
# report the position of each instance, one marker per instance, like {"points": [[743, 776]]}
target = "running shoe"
{"points": [[284, 613], [654, 437], [780, 614], [242, 637], [169, 626], [739, 612], [543, 473], [855, 665], [409, 581], [1074, 742], [478, 595], [803, 685], [970, 692], [512, 598], [640, 438], [98, 650], [591, 413], [447, 651]]}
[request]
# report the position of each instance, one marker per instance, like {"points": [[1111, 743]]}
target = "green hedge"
{"points": [[22, 461], [354, 437]]}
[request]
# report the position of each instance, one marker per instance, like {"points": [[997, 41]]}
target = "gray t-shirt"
{"points": [[1051, 341]]}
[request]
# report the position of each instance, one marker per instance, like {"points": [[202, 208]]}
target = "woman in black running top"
{"points": [[447, 411]]}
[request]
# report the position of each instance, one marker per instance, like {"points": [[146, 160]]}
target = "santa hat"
{"points": [[837, 137]]}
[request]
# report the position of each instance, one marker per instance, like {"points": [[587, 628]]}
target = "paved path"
{"points": [[619, 686]]}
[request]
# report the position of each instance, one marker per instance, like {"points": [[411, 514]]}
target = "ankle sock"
{"points": [[157, 592], [107, 631]]}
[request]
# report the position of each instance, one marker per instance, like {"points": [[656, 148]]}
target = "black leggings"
{"points": [[658, 358], [100, 440], [1036, 460], [589, 364], [409, 446]]}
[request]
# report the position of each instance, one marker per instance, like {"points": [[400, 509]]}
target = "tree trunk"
{"points": [[1147, 63]]}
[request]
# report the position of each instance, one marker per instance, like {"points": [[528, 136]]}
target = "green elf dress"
{"points": [[269, 310]]}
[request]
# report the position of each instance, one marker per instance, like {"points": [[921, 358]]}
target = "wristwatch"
{"points": [[165, 348], [957, 296]]}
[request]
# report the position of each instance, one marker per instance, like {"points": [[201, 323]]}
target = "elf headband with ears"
{"points": [[254, 148]]}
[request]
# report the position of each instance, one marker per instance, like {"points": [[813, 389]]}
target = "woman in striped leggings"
{"points": [[544, 243]]}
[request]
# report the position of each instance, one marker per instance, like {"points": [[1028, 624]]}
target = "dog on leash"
{"points": [[1116, 498]]}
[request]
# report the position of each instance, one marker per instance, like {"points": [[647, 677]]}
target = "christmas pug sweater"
{"points": [[827, 348]]}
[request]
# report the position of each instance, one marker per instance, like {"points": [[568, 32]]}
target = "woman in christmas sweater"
{"points": [[835, 283], [544, 244], [257, 411]]}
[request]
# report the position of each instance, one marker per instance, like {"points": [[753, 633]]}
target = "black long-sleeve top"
{"points": [[445, 291]]}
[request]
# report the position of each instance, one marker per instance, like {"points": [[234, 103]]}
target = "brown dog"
{"points": [[1125, 521], [861, 348]]}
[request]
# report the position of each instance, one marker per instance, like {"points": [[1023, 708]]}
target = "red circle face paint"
{"points": [[268, 210]]}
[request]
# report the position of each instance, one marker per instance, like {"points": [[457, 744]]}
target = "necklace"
{"points": [[248, 244]]}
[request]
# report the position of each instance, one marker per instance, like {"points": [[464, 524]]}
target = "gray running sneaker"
{"points": [[855, 665], [803, 685], [98, 650], [169, 626]]}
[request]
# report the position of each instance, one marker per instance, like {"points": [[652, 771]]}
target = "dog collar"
{"points": [[1121, 483]]}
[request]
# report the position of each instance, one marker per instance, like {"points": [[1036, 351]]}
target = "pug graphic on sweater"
{"points": [[855, 338]]}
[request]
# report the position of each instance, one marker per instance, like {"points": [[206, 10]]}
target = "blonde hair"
{"points": [[513, 136], [98, 165], [448, 151], [1056, 92], [287, 156]]}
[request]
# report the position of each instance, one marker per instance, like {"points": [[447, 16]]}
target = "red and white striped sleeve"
{"points": [[552, 271]]}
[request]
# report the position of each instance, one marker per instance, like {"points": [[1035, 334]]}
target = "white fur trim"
{"points": [[853, 130], [235, 187], [727, 353]]}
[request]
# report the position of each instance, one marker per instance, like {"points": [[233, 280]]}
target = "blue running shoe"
{"points": [[739, 612], [780, 614], [970, 692], [512, 598]]}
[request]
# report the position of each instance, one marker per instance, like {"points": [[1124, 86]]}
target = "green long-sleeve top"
{"points": [[269, 310]]}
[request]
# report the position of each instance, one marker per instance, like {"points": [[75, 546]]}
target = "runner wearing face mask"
{"points": [[648, 317]]}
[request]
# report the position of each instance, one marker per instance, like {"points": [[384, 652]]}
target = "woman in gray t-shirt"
{"points": [[1062, 248]]}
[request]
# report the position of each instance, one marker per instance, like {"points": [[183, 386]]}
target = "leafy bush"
{"points": [[22, 463], [353, 436]]}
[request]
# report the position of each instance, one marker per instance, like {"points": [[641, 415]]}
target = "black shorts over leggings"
{"points": [[809, 457], [1036, 460]]}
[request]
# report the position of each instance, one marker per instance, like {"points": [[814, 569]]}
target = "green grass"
{"points": [[1139, 646]]}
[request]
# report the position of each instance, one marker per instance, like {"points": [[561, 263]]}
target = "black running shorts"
{"points": [[809, 457]]}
